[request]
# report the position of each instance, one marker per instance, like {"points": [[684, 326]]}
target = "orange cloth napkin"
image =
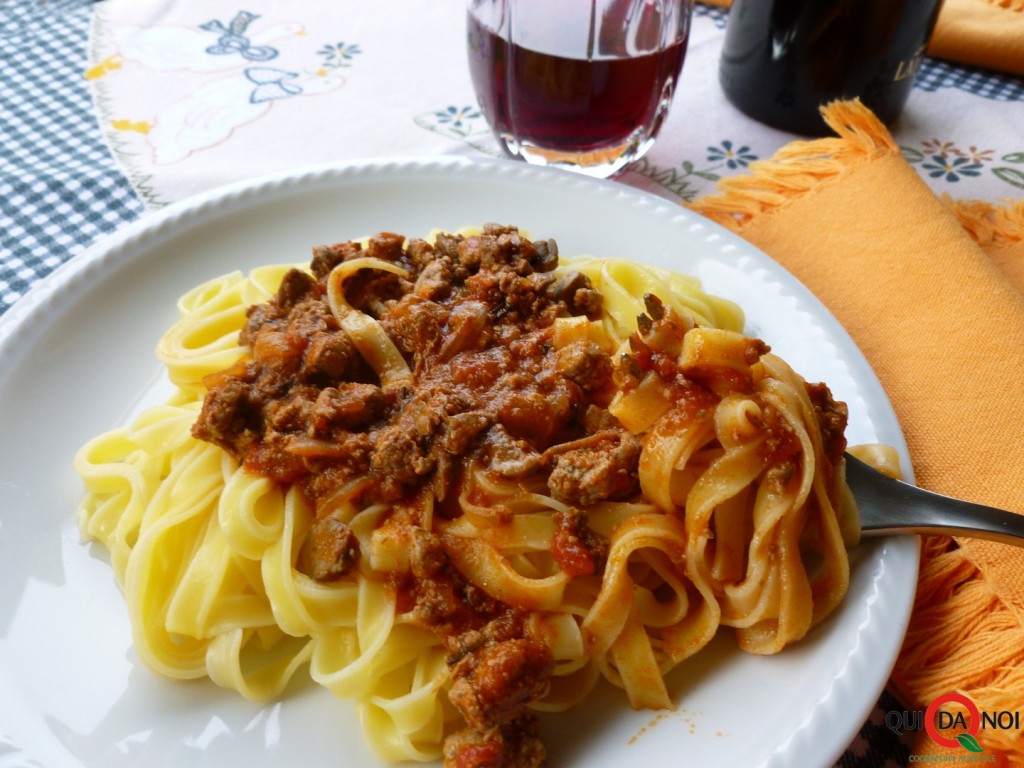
{"points": [[983, 33], [933, 293]]}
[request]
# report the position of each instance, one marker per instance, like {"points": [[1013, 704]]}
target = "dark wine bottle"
{"points": [[783, 59]]}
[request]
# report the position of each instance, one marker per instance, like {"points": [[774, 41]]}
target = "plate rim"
{"points": [[147, 232]]}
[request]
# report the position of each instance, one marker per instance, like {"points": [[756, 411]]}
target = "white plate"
{"points": [[76, 358]]}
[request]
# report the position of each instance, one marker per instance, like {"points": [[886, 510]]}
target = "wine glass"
{"points": [[577, 84]]}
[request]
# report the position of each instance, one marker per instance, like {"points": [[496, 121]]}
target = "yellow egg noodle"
{"points": [[205, 551]]}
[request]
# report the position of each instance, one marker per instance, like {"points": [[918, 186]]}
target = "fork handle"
{"points": [[889, 506]]}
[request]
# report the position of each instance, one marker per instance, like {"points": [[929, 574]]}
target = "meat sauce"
{"points": [[474, 321]]}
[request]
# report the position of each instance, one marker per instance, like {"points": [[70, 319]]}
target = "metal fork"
{"points": [[891, 506]]}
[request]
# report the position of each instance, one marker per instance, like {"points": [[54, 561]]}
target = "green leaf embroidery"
{"points": [[968, 742], [912, 155], [1010, 176], [1016, 157]]}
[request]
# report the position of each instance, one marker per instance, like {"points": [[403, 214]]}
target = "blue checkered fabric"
{"points": [[718, 16], [935, 75], [59, 187]]}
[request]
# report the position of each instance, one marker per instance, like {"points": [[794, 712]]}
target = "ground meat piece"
{"points": [[435, 280], [292, 413], [832, 417], [585, 363], [415, 442], [280, 350], [467, 329], [576, 548], [475, 749], [480, 371], [426, 555], [230, 417], [416, 326], [493, 684], [436, 602], [327, 257], [272, 458], [586, 301], [386, 246], [329, 355], [501, 248], [349, 406], [448, 245], [260, 316], [421, 254], [473, 253], [596, 467], [597, 419], [477, 600], [329, 551], [461, 429], [515, 745], [330, 475], [506, 626], [312, 316], [442, 599], [509, 456], [524, 298], [295, 286], [399, 459], [538, 409], [483, 286]]}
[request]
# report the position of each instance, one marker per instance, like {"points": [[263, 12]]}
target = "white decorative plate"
{"points": [[76, 358]]}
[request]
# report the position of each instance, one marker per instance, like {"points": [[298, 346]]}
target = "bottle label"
{"points": [[909, 67]]}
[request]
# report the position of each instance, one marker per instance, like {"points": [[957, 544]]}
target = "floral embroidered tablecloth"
{"points": [[114, 108], [120, 106], [191, 95]]}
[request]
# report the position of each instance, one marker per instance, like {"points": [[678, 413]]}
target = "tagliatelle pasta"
{"points": [[461, 481]]}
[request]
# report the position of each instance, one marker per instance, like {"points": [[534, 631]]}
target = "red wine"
{"points": [[565, 104], [782, 59]]}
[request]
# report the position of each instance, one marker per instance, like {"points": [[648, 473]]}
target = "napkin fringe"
{"points": [[987, 223], [980, 655], [800, 166]]}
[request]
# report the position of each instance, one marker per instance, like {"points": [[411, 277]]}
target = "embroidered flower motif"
{"points": [[951, 168], [734, 158], [945, 161], [457, 117], [944, 149], [940, 148], [339, 54], [979, 155], [464, 124]]}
